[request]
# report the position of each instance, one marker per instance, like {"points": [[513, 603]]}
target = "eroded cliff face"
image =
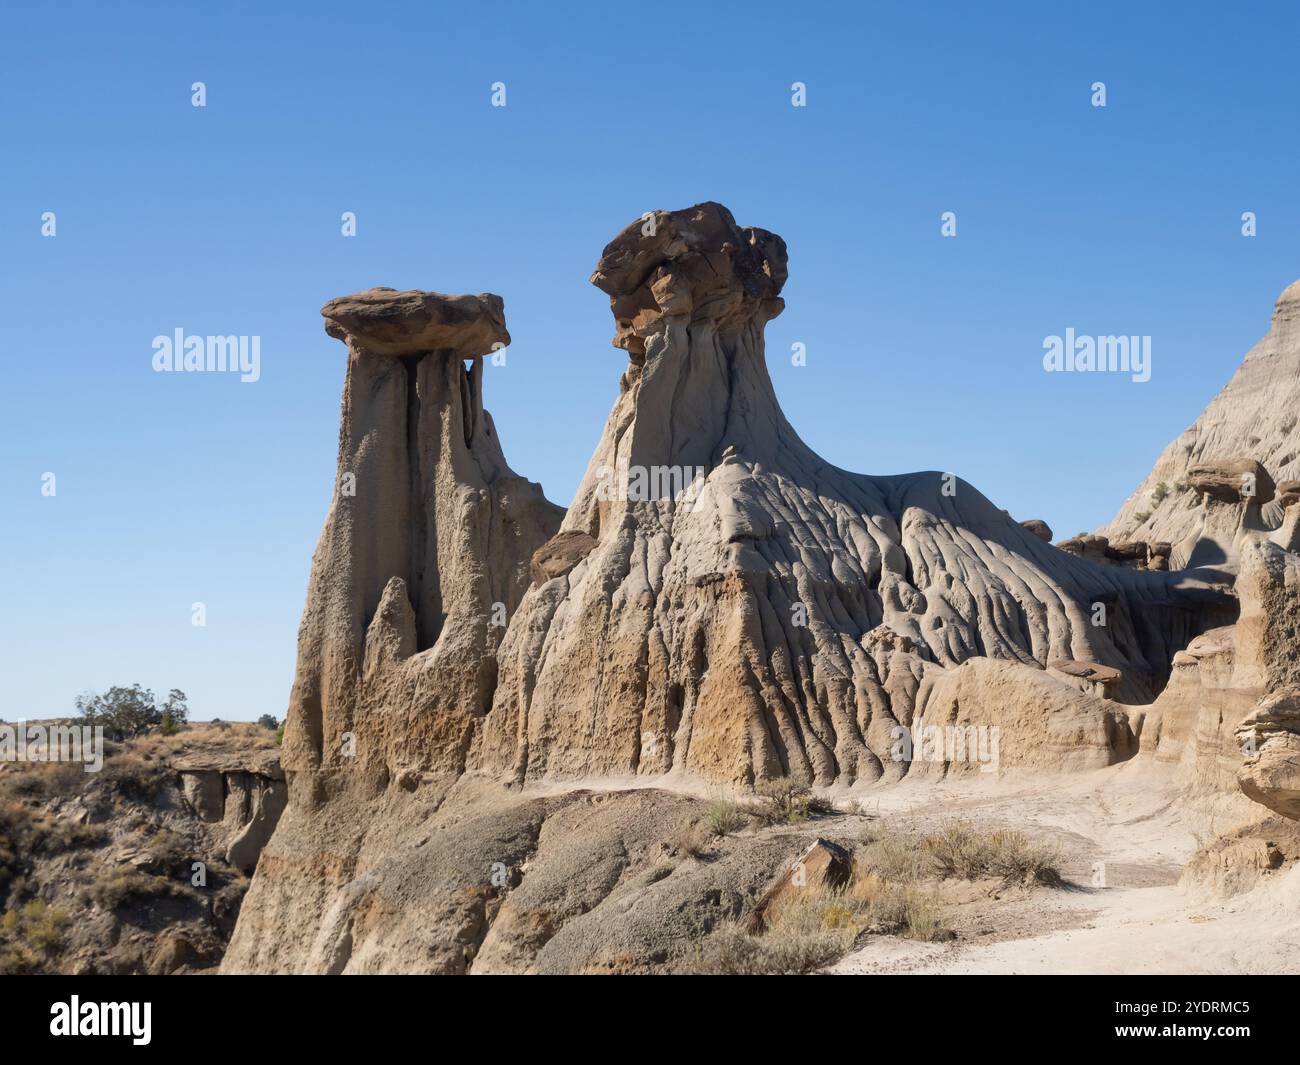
{"points": [[740, 609]]}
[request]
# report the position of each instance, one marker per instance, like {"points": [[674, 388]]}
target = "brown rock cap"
{"points": [[1225, 479], [1039, 528], [696, 262], [387, 322]]}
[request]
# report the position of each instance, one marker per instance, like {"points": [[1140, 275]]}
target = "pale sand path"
{"points": [[1142, 923]]}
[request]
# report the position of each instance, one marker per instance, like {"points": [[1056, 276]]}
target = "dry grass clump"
{"points": [[807, 930], [892, 892], [42, 780], [28, 935], [958, 851], [724, 817], [691, 839], [26, 832], [135, 774], [121, 885]]}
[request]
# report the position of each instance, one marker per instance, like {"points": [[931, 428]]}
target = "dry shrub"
{"points": [[957, 850], [893, 855], [808, 929], [136, 775], [804, 933], [122, 885], [26, 832], [28, 935], [786, 801]]}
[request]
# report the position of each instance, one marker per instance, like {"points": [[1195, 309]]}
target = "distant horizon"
{"points": [[180, 490]]}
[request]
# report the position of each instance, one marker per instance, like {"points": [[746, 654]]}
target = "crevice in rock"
{"points": [[424, 639]]}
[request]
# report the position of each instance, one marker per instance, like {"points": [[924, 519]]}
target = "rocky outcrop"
{"points": [[823, 866], [1237, 480], [1270, 742], [425, 555], [993, 717], [1227, 721], [1039, 528], [1193, 496], [560, 554], [246, 795], [1086, 676], [1132, 554]]}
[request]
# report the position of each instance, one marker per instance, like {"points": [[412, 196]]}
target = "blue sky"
{"points": [[923, 352]]}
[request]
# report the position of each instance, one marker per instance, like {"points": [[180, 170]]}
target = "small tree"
{"points": [[267, 721], [124, 713]]}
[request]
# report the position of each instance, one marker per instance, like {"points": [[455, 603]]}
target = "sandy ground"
{"points": [[1123, 834], [1124, 845]]}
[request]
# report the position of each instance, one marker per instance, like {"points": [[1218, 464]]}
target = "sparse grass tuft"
{"points": [[809, 929], [724, 817], [139, 775]]}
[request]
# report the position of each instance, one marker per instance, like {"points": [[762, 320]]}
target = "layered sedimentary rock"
{"points": [[246, 794], [989, 716], [719, 621], [426, 547], [718, 604], [1227, 721], [425, 552], [1215, 481]]}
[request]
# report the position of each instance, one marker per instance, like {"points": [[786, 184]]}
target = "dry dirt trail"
{"points": [[1141, 921]]}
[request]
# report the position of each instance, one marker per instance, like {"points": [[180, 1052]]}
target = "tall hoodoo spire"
{"points": [[429, 529]]}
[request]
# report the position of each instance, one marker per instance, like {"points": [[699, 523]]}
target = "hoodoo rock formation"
{"points": [[718, 605], [426, 548], [726, 631]]}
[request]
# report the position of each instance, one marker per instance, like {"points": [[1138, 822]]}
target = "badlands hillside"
{"points": [[736, 709], [139, 867]]}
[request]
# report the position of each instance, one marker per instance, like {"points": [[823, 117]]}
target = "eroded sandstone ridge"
{"points": [[765, 613], [1233, 472]]}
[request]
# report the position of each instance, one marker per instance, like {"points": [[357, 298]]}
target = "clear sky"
{"points": [[923, 352]]}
